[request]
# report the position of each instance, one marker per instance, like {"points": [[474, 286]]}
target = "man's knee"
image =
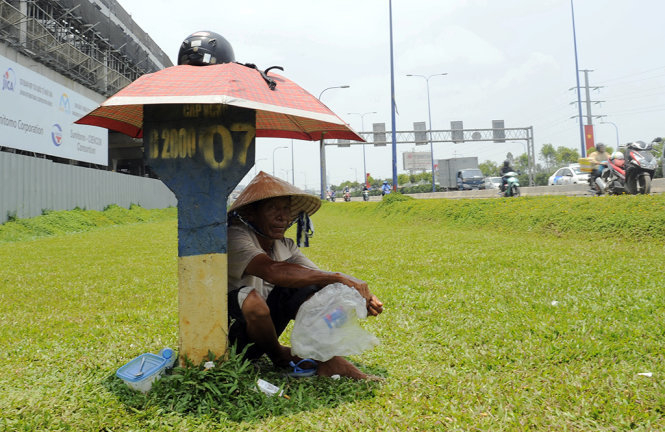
{"points": [[255, 308]]}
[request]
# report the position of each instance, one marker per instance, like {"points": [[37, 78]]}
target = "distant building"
{"points": [[59, 60]]}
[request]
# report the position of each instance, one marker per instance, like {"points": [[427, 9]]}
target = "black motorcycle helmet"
{"points": [[205, 48]]}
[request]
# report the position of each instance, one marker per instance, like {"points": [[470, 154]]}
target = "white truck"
{"points": [[460, 174]]}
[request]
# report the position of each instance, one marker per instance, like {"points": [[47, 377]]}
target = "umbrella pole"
{"points": [[201, 152]]}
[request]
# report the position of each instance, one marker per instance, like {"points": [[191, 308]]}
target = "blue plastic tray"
{"points": [[153, 364]]}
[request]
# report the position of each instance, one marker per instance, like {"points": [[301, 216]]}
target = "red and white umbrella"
{"points": [[288, 111]]}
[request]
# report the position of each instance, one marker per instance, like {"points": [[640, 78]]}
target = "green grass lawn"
{"points": [[499, 315]]}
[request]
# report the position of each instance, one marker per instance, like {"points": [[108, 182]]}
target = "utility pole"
{"points": [[587, 91]]}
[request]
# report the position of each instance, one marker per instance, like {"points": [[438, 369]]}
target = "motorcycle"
{"points": [[612, 179], [641, 166], [596, 183], [365, 195], [512, 186], [331, 196], [347, 196]]}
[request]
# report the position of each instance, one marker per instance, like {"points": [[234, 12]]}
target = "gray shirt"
{"points": [[243, 246]]}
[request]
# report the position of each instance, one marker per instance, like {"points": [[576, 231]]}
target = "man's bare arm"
{"points": [[297, 276]]}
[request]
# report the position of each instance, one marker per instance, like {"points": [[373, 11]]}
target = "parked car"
{"points": [[493, 183], [571, 174]]}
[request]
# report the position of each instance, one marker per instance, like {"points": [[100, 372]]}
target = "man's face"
{"points": [[272, 217]]}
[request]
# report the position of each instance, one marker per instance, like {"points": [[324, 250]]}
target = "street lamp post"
{"points": [[393, 103], [524, 146], [362, 128], [305, 176], [429, 113], [577, 77], [529, 165], [256, 164], [616, 130], [334, 87], [355, 170], [273, 157], [323, 150], [293, 168]]}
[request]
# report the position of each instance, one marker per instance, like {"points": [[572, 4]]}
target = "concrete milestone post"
{"points": [[201, 152]]}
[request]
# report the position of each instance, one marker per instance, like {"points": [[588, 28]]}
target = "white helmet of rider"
{"points": [[617, 155]]}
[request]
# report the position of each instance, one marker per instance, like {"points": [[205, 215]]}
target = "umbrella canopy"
{"points": [[288, 111]]}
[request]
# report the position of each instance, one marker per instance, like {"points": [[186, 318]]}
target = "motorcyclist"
{"points": [[597, 157], [385, 189], [365, 192], [505, 169], [347, 193]]}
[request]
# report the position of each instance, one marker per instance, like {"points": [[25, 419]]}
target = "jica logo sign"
{"points": [[64, 104], [56, 135], [9, 80]]}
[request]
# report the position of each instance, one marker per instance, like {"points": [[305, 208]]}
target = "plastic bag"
{"points": [[327, 325]]}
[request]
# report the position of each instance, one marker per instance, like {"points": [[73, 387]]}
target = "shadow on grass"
{"points": [[227, 392]]}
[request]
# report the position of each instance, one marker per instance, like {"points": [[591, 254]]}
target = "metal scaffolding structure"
{"points": [[456, 136], [102, 55]]}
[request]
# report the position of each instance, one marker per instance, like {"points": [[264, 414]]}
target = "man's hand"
{"points": [[358, 284], [374, 306]]}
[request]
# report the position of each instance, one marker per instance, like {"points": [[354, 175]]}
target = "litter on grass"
{"points": [[269, 388]]}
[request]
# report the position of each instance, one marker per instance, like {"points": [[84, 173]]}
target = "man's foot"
{"points": [[284, 357], [344, 368]]}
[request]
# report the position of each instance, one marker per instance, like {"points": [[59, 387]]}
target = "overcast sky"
{"points": [[508, 59]]}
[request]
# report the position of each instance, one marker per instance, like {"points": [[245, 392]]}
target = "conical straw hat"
{"points": [[265, 186]]}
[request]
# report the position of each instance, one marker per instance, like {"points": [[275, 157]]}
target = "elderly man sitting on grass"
{"points": [[269, 278]]}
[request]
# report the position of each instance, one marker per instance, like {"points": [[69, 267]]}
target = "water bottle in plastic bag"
{"points": [[336, 318]]}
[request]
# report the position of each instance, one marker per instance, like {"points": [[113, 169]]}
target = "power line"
{"points": [[642, 110], [661, 68], [638, 94]]}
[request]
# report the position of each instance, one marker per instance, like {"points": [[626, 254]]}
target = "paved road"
{"points": [[657, 186]]}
